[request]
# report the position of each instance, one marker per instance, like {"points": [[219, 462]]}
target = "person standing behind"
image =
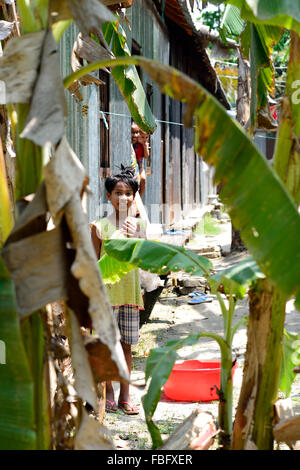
{"points": [[125, 296], [140, 143]]}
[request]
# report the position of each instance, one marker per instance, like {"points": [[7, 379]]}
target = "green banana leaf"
{"points": [[257, 201], [161, 258], [236, 279], [251, 189], [282, 13], [34, 343], [113, 270], [161, 361], [263, 39], [17, 423], [290, 359], [232, 24], [157, 257], [158, 367], [128, 79]]}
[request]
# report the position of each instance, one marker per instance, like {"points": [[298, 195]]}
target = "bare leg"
{"points": [[124, 399], [109, 391], [124, 387], [110, 404]]}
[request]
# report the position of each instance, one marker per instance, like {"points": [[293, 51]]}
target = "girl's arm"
{"points": [[97, 242], [144, 140], [146, 149]]}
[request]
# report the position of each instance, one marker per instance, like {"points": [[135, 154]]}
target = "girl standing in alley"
{"points": [[125, 296]]}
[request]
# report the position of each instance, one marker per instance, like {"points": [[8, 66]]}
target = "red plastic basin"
{"points": [[194, 380]]}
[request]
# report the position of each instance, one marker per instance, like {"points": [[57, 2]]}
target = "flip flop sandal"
{"points": [[200, 299], [174, 231], [195, 293], [128, 409], [111, 406]]}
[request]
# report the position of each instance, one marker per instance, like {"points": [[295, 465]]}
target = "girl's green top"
{"points": [[128, 290]]}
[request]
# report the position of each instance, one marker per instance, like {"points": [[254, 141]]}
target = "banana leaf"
{"points": [[113, 270], [128, 80], [257, 201], [17, 423], [158, 367], [263, 39], [290, 359], [157, 257], [283, 13], [161, 360], [88, 17], [33, 333], [161, 258], [232, 24], [236, 279]]}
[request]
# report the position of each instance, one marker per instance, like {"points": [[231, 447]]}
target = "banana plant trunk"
{"points": [[255, 413], [29, 333], [253, 420]]}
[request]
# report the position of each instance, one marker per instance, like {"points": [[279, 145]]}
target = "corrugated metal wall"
{"points": [[83, 124], [177, 177], [152, 37]]}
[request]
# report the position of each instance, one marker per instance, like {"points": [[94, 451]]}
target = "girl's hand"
{"points": [[143, 138], [130, 228]]}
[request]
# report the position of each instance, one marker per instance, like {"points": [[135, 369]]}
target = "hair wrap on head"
{"points": [[126, 176], [127, 170]]}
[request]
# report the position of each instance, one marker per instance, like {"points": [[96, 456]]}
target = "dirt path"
{"points": [[173, 318]]}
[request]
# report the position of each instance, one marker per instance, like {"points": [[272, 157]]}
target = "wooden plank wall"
{"points": [[193, 180], [175, 170], [183, 159], [151, 35], [120, 138]]}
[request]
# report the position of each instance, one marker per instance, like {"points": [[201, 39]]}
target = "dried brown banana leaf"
{"points": [[18, 67], [45, 122]]}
